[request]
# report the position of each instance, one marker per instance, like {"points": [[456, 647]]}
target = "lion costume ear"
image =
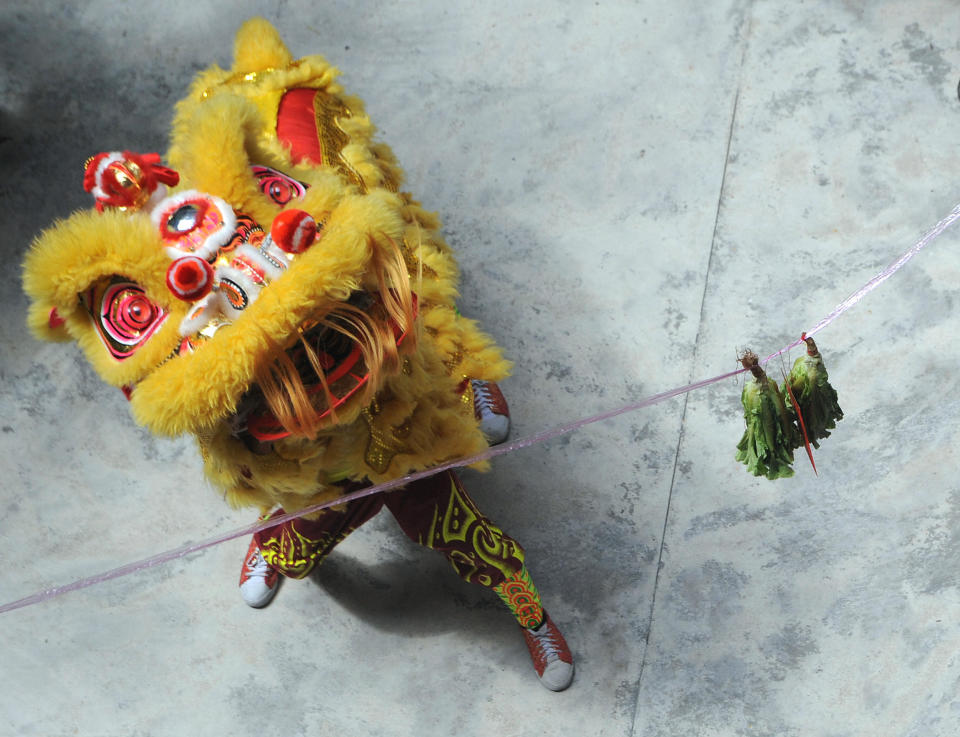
{"points": [[46, 317], [258, 46], [45, 323]]}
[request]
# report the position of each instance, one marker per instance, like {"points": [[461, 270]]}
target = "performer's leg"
{"points": [[296, 547], [438, 513]]}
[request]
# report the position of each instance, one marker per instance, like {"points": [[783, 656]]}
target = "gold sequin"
{"points": [[247, 77], [383, 447], [328, 111], [379, 453], [456, 358]]}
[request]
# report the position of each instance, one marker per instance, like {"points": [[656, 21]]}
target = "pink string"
{"points": [[876, 281], [485, 455]]}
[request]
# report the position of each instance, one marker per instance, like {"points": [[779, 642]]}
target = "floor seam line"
{"points": [[696, 350]]}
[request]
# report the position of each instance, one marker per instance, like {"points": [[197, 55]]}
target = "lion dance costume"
{"points": [[274, 293]]}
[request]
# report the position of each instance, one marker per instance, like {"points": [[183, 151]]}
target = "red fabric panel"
{"points": [[297, 126]]}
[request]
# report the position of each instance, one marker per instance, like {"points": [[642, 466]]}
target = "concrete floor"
{"points": [[636, 191]]}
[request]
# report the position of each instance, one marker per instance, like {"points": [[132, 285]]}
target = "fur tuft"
{"points": [[258, 46]]}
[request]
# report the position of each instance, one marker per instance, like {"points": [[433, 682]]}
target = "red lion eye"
{"points": [[278, 186], [125, 317], [135, 311], [126, 313]]}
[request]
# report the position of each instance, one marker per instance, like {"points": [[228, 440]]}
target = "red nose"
{"points": [[190, 278]]}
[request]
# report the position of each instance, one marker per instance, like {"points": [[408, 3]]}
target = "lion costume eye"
{"points": [[123, 314], [278, 186]]}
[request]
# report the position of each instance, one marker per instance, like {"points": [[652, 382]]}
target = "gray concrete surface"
{"points": [[636, 191]]}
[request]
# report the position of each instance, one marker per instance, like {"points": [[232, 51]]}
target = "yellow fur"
{"points": [[415, 418], [258, 46]]}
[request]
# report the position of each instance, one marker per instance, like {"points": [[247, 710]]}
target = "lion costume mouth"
{"points": [[331, 364]]}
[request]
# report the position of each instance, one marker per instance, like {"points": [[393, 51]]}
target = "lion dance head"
{"points": [[268, 288]]}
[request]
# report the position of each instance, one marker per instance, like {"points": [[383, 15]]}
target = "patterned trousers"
{"points": [[435, 512]]}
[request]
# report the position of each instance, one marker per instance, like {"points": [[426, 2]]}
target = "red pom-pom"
{"points": [[190, 278], [294, 231]]}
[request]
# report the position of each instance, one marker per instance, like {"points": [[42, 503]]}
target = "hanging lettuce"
{"points": [[813, 395], [771, 435]]}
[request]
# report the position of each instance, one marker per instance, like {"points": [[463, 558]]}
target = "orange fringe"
{"points": [[282, 385]]}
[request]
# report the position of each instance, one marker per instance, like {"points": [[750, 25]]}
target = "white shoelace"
{"points": [[259, 567], [546, 643], [481, 396]]}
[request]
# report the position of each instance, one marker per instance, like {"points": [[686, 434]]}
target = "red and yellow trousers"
{"points": [[435, 512]]}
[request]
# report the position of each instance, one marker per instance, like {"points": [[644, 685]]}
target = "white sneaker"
{"points": [[491, 411], [259, 580], [551, 655]]}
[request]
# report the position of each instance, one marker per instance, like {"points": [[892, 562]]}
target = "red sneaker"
{"points": [[551, 656], [491, 411], [259, 581]]}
